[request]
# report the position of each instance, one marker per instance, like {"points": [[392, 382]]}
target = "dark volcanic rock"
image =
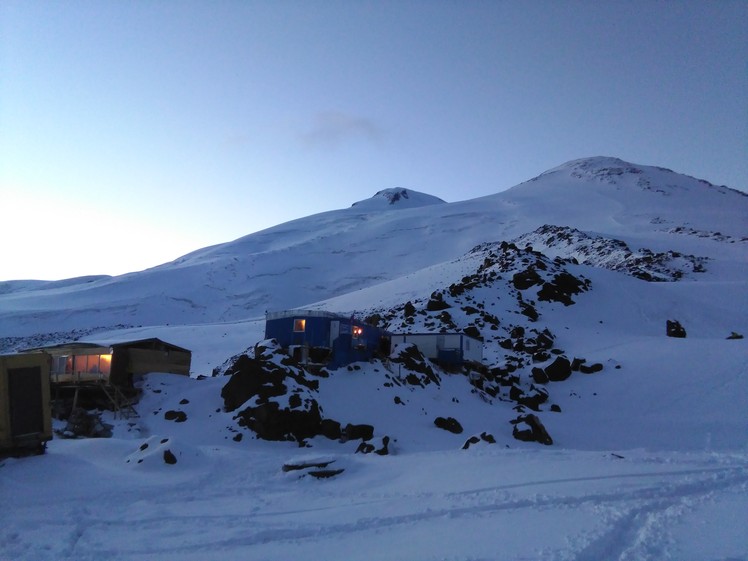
{"points": [[559, 369], [470, 441], [176, 416], [561, 288], [673, 328], [525, 279], [591, 369], [449, 424], [330, 429], [437, 303], [539, 376], [529, 311], [325, 473], [472, 331], [169, 457], [410, 358], [381, 448], [270, 422], [354, 432], [529, 429], [277, 396]]}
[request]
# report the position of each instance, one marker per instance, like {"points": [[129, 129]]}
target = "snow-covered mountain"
{"points": [[395, 233], [568, 279]]}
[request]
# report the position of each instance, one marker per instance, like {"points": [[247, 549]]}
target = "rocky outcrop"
{"points": [[449, 424], [558, 370], [613, 254], [418, 370], [528, 428], [379, 446], [673, 328], [276, 398]]}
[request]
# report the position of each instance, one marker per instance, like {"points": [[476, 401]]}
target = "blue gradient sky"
{"points": [[140, 131]]}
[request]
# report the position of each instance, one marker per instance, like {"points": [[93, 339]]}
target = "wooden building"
{"points": [[25, 413], [115, 363]]}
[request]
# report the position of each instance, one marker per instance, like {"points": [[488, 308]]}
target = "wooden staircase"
{"points": [[121, 403]]}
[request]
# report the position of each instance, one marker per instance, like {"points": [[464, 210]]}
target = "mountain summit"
{"points": [[397, 198], [341, 252]]}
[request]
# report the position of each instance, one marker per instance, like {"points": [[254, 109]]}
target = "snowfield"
{"points": [[649, 459], [231, 502]]}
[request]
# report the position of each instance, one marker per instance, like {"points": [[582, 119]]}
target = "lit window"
{"points": [[105, 364], [299, 325], [357, 331]]}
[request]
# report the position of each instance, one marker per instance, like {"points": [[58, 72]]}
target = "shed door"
{"points": [[25, 392], [334, 331]]}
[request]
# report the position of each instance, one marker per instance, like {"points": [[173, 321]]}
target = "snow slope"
{"points": [[292, 264], [649, 456]]}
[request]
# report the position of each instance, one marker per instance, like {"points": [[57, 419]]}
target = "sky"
{"points": [[134, 132]]}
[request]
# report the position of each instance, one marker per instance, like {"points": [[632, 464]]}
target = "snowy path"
{"points": [[453, 505]]}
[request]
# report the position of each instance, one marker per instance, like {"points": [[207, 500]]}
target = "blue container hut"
{"points": [[323, 337]]}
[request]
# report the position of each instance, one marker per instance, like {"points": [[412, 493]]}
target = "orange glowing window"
{"points": [[299, 325], [357, 331], [105, 364]]}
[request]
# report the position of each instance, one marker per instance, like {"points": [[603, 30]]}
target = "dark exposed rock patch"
{"points": [[169, 457], [615, 255], [325, 473], [673, 328], [590, 369], [419, 370], [558, 370], [449, 424], [278, 399], [377, 446], [355, 432], [529, 428], [484, 437], [470, 441], [176, 416]]}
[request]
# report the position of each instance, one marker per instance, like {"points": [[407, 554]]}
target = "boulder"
{"points": [[271, 422], [539, 376], [525, 279], [673, 328], [355, 432], [470, 441], [378, 446], [169, 457], [278, 398], [449, 424], [330, 429], [529, 428], [559, 369], [176, 416], [591, 369]]}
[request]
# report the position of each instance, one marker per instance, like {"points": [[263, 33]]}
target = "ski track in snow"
{"points": [[617, 515]]}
